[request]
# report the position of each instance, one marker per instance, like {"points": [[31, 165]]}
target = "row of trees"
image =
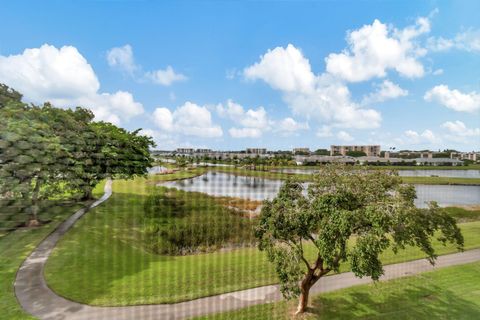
{"points": [[46, 152]]}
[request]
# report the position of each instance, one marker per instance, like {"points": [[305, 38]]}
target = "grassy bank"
{"points": [[105, 264], [449, 293]]}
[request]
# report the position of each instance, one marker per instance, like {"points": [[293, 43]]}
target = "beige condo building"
{"points": [[370, 150]]}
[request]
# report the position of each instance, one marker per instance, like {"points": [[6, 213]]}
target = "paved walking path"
{"points": [[39, 300]]}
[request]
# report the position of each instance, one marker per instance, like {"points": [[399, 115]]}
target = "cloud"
{"points": [[324, 132], [427, 136], [253, 122], [374, 49], [458, 128], [437, 72], [165, 77], [454, 99], [122, 58], [468, 40], [164, 141], [245, 132], [289, 126], [285, 69], [189, 119], [323, 98], [344, 136], [65, 78], [385, 91]]}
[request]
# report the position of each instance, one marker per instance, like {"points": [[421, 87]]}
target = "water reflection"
{"points": [[255, 188]]}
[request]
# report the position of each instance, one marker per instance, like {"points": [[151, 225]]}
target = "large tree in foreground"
{"points": [[48, 152], [346, 216]]}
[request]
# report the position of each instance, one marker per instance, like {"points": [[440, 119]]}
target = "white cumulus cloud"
{"points": [[453, 98], [252, 122], [459, 128], [122, 58], [385, 91], [323, 97], [189, 119], [63, 77], [468, 40], [374, 49], [165, 77], [290, 125], [414, 138], [284, 69]]}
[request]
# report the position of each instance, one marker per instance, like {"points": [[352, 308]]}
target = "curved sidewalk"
{"points": [[39, 300]]}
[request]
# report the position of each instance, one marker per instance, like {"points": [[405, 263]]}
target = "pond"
{"points": [[254, 188], [403, 173]]}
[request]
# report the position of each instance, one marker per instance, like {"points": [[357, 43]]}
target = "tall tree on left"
{"points": [[47, 152], [28, 153]]}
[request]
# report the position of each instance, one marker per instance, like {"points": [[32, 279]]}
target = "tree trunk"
{"points": [[303, 301], [88, 194], [33, 220], [305, 286]]}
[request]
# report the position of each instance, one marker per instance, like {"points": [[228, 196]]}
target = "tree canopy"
{"points": [[349, 216], [47, 151]]}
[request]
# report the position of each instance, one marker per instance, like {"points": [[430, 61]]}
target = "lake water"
{"points": [[403, 173], [222, 184]]}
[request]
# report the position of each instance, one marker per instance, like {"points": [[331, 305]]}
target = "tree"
{"points": [[8, 94], [356, 154], [114, 152], [322, 152], [29, 151], [45, 151], [347, 215]]}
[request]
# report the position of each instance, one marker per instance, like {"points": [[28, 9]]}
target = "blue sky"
{"points": [[275, 74]]}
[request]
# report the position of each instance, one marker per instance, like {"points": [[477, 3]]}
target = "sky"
{"points": [[229, 75]]}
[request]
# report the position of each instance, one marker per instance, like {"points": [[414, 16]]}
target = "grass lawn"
{"points": [[448, 293], [105, 265], [15, 247]]}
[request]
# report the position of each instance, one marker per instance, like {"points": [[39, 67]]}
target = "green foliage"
{"points": [[8, 95], [356, 153], [47, 152], [371, 209], [322, 152], [175, 223]]}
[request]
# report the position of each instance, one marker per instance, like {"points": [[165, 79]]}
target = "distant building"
{"points": [[370, 150], [256, 150], [438, 162], [185, 150], [204, 151], [473, 156], [301, 151], [300, 160]]}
